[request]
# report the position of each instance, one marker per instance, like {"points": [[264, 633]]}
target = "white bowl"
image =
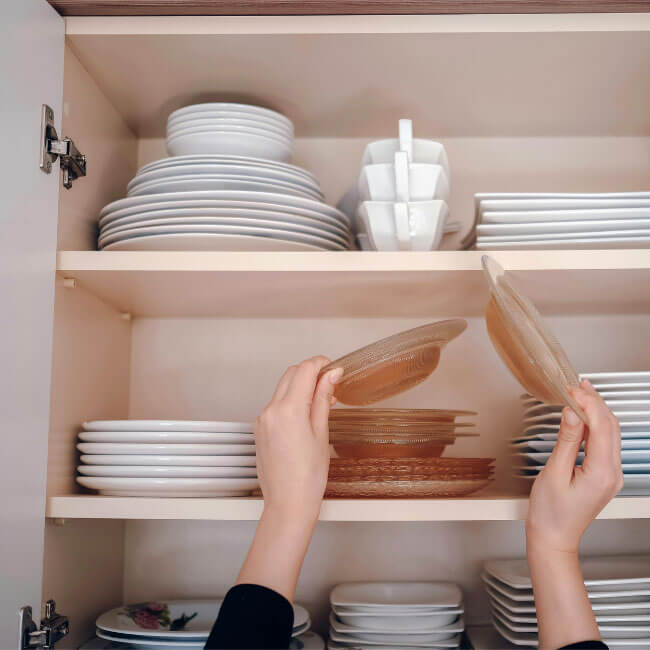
{"points": [[384, 622], [229, 142], [419, 150], [381, 182], [417, 226], [386, 595]]}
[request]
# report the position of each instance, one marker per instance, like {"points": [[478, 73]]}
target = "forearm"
{"points": [[564, 613], [276, 555]]}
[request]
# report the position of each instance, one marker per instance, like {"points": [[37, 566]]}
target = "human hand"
{"points": [[565, 499], [292, 441]]}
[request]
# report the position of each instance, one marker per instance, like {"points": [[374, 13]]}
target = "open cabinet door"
{"points": [[31, 63]]}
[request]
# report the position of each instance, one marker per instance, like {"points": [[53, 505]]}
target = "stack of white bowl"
{"points": [[226, 186], [167, 458], [160, 625], [627, 394], [400, 200], [377, 615], [618, 590]]}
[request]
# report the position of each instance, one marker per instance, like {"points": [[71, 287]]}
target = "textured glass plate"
{"points": [[394, 364], [525, 343], [407, 489]]}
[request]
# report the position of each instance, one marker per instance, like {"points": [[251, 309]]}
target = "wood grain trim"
{"points": [[338, 7]]}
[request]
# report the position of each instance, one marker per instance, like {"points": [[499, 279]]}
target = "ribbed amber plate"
{"points": [[394, 364], [404, 489]]}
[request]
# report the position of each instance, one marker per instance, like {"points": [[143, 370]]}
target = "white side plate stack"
{"points": [[618, 588], [226, 187], [148, 626], [400, 200], [167, 458], [627, 394], [375, 615], [562, 220]]}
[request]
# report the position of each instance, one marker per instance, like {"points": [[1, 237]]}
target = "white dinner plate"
{"points": [[634, 484], [169, 487], [258, 118], [119, 622], [209, 426], [622, 387], [166, 437], [627, 456], [166, 471], [169, 460], [382, 621], [598, 233], [525, 207], [241, 143], [149, 644], [207, 183], [636, 416], [209, 242], [430, 635], [222, 159], [603, 243], [563, 228], [397, 594], [629, 429], [204, 233], [209, 224], [199, 449], [265, 198], [548, 445], [596, 571], [228, 215], [615, 404], [225, 169], [354, 641], [615, 377], [629, 469], [225, 123], [212, 107]]}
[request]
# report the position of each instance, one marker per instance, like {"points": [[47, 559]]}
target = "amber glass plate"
{"points": [[394, 364], [404, 489], [526, 344]]}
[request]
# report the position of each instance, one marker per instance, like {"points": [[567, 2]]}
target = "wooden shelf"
{"points": [[486, 508], [355, 284]]}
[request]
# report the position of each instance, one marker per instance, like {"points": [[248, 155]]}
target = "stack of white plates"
{"points": [[400, 199], [378, 615], [618, 588], [167, 458], [628, 395], [545, 221], [225, 128], [164, 625]]}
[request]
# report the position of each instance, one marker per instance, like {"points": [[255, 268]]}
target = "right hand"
{"points": [[292, 441], [565, 499]]}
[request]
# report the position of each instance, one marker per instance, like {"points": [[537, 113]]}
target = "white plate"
{"points": [[627, 456], [615, 377], [355, 641], [170, 487], [385, 622], [603, 243], [224, 123], [209, 426], [614, 404], [222, 159], [166, 437], [268, 199], [225, 169], [240, 143], [430, 635], [553, 230], [612, 595], [636, 416], [166, 471], [228, 215], [150, 644], [209, 224], [169, 460], [217, 183], [200, 449], [204, 233], [117, 621], [498, 221], [548, 445], [209, 242], [629, 429], [524, 207], [619, 570], [173, 121], [639, 232], [630, 470], [212, 107], [399, 594]]}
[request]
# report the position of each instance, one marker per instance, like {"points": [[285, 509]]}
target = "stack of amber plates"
{"points": [[395, 433], [407, 477]]}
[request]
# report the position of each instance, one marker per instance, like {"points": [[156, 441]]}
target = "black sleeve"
{"points": [[252, 617], [586, 645]]}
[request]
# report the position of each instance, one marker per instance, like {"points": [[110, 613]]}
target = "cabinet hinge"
{"points": [[53, 628], [72, 161]]}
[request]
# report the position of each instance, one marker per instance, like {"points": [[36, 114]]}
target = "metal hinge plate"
{"points": [[73, 162], [53, 628]]}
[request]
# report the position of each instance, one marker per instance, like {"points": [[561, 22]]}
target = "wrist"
{"points": [[292, 516]]}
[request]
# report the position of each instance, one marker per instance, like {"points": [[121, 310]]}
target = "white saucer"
{"points": [[170, 487]]}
